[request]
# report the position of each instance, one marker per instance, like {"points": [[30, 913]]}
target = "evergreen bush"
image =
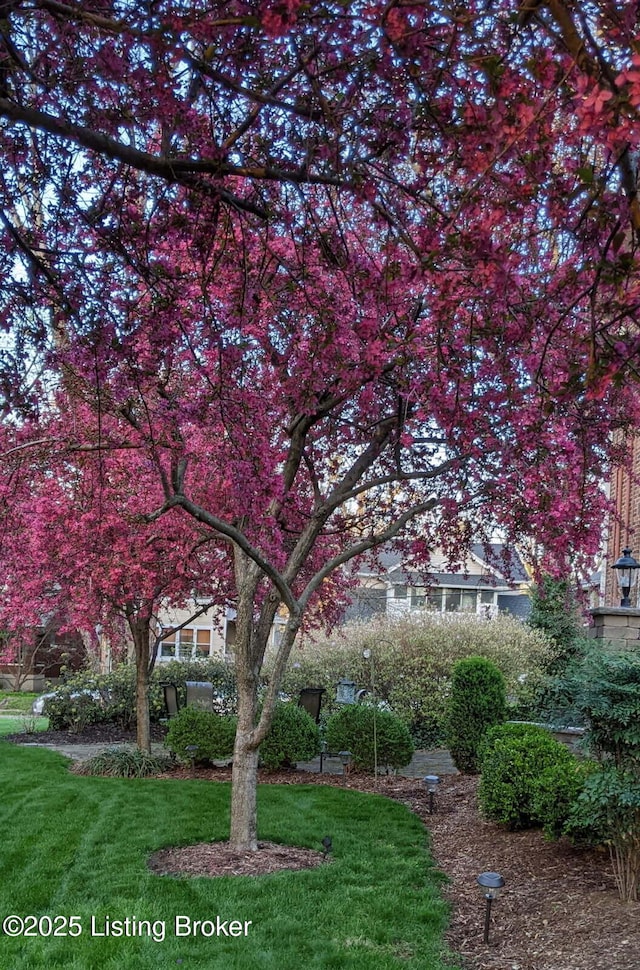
{"points": [[476, 702], [352, 729], [293, 736], [213, 734], [513, 760]]}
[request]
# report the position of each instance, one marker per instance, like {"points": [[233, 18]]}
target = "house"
{"points": [[493, 578]]}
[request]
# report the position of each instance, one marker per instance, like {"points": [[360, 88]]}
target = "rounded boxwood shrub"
{"points": [[214, 734], [476, 702], [513, 760], [293, 736], [352, 729], [556, 791]]}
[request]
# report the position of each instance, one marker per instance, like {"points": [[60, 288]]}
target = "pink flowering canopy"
{"points": [[330, 271], [298, 280]]}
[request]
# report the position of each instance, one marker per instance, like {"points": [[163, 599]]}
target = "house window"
{"points": [[452, 600], [186, 644], [418, 596], [400, 592]]}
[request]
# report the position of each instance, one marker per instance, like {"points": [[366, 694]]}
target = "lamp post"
{"points": [[626, 568], [431, 782], [490, 883]]}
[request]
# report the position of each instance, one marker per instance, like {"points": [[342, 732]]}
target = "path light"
{"points": [[192, 750], [490, 883], [431, 782], [345, 758], [327, 845], [626, 568]]}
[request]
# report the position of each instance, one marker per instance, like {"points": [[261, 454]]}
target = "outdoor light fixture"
{"points": [[490, 883], [346, 692], [626, 572], [345, 758], [192, 750], [327, 845], [431, 782]]}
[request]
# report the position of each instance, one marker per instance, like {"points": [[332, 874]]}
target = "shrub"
{"points": [[607, 812], [556, 790], [114, 699], [477, 701], [352, 729], [293, 736], [413, 658], [217, 672], [123, 763], [82, 701], [213, 734], [605, 689], [513, 758]]}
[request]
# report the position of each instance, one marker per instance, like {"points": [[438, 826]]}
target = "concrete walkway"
{"points": [[434, 762]]}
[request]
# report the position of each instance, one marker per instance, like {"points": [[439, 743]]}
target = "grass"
{"points": [[20, 701], [16, 724], [78, 846]]}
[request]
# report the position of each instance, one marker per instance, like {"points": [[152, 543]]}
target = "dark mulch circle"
{"points": [[221, 859]]}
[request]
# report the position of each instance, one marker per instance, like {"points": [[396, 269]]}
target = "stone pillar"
{"points": [[618, 625]]}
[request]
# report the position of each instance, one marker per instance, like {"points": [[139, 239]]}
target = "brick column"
{"points": [[618, 625]]}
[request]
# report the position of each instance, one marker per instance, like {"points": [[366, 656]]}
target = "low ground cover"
{"points": [[79, 846]]}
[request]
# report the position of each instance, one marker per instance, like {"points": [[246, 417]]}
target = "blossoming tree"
{"points": [[340, 275]]}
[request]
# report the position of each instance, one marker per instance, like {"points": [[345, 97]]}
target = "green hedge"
{"points": [[293, 736], [115, 700], [352, 729], [412, 663], [514, 760], [213, 734]]}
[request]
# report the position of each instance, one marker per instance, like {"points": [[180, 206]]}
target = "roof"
{"points": [[503, 567]]}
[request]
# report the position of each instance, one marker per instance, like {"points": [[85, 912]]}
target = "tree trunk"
{"points": [[244, 824], [140, 632]]}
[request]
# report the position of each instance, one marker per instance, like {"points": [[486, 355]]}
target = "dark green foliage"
{"points": [[123, 763], [556, 790], [607, 812], [513, 759], [605, 688], [293, 736], [214, 735], [477, 701], [216, 672], [554, 610], [352, 729], [115, 700]]}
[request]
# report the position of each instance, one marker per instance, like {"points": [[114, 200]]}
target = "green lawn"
{"points": [[16, 724], [17, 700], [77, 847]]}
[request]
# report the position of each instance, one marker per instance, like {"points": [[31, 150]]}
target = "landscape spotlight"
{"points": [[431, 782], [626, 568], [490, 883]]}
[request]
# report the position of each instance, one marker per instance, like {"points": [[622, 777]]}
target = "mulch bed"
{"points": [[559, 909]]}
